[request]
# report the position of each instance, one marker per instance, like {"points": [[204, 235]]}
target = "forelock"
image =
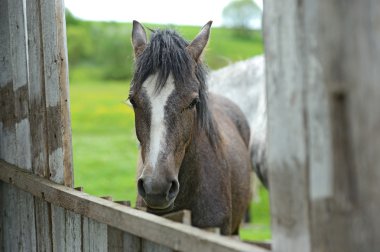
{"points": [[165, 54]]}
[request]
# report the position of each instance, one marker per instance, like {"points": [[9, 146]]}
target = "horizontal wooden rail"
{"points": [[157, 229]]}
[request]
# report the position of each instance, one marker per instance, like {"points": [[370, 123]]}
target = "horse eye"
{"points": [[193, 103], [133, 102]]}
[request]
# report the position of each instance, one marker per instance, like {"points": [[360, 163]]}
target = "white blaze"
{"points": [[157, 102]]}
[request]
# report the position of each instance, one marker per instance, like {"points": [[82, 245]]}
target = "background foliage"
{"points": [[241, 16], [102, 50]]}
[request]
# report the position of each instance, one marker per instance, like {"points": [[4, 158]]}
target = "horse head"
{"points": [[169, 98]]}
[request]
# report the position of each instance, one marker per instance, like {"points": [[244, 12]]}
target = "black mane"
{"points": [[166, 54]]}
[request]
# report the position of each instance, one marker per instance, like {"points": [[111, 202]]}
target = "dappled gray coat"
{"points": [[244, 83]]}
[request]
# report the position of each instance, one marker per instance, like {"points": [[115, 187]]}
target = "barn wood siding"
{"points": [[146, 226], [322, 60], [31, 136]]}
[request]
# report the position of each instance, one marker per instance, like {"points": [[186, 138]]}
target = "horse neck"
{"points": [[192, 173]]}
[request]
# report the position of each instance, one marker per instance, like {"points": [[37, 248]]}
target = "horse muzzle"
{"points": [[158, 193]]}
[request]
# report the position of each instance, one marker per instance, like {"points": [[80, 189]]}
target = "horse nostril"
{"points": [[174, 188], [140, 187]]}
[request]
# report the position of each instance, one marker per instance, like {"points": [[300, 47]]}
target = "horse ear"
{"points": [[199, 43], [138, 38]]}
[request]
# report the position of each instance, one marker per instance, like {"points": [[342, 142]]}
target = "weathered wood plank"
{"points": [[27, 228], [2, 210], [323, 100], [37, 107], [17, 220], [119, 240], [131, 243], [16, 123], [5, 63], [19, 61], [2, 215], [18, 44], [43, 225], [148, 246], [65, 94], [94, 235], [58, 224], [287, 146], [115, 239], [37, 119], [7, 102], [7, 128], [73, 231], [56, 91], [145, 225], [10, 219]]}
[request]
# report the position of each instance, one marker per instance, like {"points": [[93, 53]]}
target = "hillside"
{"points": [[102, 50]]}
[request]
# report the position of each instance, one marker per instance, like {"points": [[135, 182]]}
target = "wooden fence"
{"points": [[323, 91], [96, 224], [39, 209], [322, 64]]}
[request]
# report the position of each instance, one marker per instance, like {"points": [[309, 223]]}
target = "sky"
{"points": [[191, 12]]}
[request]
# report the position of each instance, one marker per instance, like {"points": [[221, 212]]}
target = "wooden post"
{"points": [[17, 207], [322, 63], [35, 132]]}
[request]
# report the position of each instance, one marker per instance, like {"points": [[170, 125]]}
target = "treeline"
{"points": [[102, 50]]}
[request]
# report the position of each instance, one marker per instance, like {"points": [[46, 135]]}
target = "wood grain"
{"points": [[323, 90], [147, 226]]}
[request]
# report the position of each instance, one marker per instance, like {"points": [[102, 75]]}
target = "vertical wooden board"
{"points": [[287, 127], [56, 89], [73, 231], [18, 45], [2, 210], [329, 164], [65, 94], [43, 225], [27, 221], [37, 107], [58, 223], [119, 240], [11, 221], [15, 127], [7, 103], [7, 136], [94, 236], [363, 77], [17, 219], [85, 234], [53, 117], [115, 239], [339, 66], [349, 56], [148, 246], [5, 63], [19, 61], [131, 242]]}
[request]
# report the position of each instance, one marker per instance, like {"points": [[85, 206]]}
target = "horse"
{"points": [[194, 145], [245, 80]]}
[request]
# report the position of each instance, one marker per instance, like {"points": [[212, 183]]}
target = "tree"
{"points": [[241, 15]]}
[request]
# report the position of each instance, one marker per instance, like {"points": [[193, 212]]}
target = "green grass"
{"points": [[259, 227], [105, 149], [104, 143]]}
